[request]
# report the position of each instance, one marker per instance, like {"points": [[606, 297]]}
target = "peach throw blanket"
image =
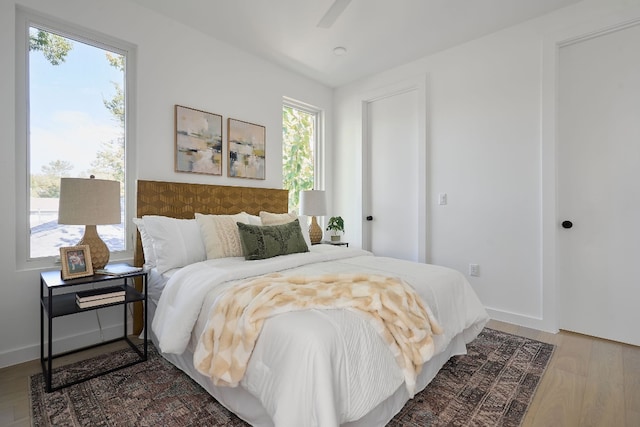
{"points": [[392, 306]]}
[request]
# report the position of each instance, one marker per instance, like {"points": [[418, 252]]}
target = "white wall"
{"points": [[176, 65], [491, 149]]}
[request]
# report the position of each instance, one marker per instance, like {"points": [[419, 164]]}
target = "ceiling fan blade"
{"points": [[333, 13]]}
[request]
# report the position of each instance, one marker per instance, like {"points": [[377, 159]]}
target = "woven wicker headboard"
{"points": [[183, 200]]}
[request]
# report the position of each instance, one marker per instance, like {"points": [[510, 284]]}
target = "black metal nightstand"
{"points": [[64, 304]]}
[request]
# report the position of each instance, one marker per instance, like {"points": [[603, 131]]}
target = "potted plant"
{"points": [[336, 226]]}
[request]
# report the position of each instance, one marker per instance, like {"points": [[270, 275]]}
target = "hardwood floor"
{"points": [[589, 382]]}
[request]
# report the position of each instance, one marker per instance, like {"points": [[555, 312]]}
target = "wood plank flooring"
{"points": [[589, 382]]}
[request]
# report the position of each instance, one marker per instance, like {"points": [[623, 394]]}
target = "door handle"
{"points": [[369, 218], [567, 224]]}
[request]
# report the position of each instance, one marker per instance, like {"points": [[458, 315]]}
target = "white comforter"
{"points": [[315, 367]]}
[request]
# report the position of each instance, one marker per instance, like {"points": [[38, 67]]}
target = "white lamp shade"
{"points": [[89, 201], [313, 203]]}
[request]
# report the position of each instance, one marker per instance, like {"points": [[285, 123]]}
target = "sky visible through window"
{"points": [[68, 118], [68, 122]]}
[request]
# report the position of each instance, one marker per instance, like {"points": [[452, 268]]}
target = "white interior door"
{"points": [[392, 129], [599, 185]]}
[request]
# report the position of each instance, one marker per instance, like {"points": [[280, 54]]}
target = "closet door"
{"points": [[392, 212], [599, 185]]}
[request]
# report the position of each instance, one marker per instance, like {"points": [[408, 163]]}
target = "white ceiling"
{"points": [[378, 34]]}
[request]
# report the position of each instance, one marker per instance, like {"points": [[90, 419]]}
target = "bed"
{"points": [[319, 366]]}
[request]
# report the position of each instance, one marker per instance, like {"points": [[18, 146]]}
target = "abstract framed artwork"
{"points": [[246, 147], [198, 141], [75, 262]]}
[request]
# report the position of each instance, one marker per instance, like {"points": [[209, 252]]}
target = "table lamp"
{"points": [[313, 203], [90, 202]]}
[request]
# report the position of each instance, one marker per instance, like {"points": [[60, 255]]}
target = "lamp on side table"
{"points": [[90, 202], [313, 203]]}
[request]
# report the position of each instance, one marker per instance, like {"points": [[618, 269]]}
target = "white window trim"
{"points": [[26, 18], [318, 149]]}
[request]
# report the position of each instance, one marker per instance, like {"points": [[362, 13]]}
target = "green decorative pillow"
{"points": [[267, 241]]}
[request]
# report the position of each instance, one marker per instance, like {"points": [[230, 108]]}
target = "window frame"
{"points": [[26, 18], [318, 143]]}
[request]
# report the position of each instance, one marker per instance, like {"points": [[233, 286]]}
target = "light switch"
{"points": [[442, 198], [474, 270]]}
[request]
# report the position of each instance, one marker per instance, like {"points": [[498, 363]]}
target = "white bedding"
{"points": [[317, 367]]}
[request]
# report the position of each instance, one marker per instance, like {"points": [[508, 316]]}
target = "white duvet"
{"points": [[316, 367]]}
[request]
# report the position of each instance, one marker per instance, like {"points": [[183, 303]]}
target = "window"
{"points": [[300, 150], [77, 89]]}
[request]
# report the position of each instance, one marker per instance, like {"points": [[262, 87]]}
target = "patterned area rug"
{"points": [[492, 385]]}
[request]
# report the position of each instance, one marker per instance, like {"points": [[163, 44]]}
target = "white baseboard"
{"points": [[521, 320], [60, 345]]}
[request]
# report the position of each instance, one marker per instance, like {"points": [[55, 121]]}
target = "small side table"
{"points": [[335, 243], [64, 304]]}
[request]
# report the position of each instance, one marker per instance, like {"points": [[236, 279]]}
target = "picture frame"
{"points": [[198, 141], [76, 262], [246, 143]]}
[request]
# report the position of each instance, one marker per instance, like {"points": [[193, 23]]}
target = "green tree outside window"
{"points": [[298, 137]]}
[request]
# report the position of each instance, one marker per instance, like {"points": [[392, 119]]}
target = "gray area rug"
{"points": [[492, 385]]}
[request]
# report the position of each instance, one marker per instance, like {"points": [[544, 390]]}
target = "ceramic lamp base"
{"points": [[97, 247]]}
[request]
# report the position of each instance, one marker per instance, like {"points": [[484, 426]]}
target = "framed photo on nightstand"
{"points": [[76, 262]]}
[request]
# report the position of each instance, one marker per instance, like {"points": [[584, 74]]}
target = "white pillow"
{"points": [[269, 218], [304, 226], [147, 243], [220, 234], [254, 220], [177, 242]]}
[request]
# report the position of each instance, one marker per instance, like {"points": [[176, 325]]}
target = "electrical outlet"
{"points": [[474, 270]]}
